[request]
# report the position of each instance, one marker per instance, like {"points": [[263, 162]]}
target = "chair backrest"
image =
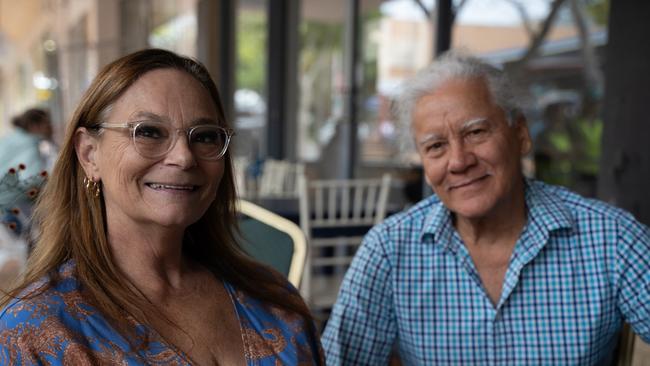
{"points": [[341, 208], [279, 179], [240, 166], [273, 240], [333, 203]]}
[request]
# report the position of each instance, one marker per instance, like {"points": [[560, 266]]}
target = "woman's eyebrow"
{"points": [[204, 121], [145, 115]]}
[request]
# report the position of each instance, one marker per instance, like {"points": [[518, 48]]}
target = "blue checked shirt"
{"points": [[579, 269]]}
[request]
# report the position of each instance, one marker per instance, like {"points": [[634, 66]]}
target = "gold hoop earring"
{"points": [[92, 187]]}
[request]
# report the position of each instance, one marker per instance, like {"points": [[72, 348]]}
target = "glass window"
{"points": [[396, 43], [321, 77], [250, 84], [174, 26]]}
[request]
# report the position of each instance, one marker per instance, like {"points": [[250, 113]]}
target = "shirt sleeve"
{"points": [[362, 327], [633, 273]]}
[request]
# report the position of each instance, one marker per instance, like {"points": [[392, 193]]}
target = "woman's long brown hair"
{"points": [[72, 224]]}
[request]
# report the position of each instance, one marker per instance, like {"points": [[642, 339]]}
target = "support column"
{"points": [[216, 46], [354, 74], [624, 175]]}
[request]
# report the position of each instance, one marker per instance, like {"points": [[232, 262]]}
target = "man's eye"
{"points": [[477, 133], [435, 148]]}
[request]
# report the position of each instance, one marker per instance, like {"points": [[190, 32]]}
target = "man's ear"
{"points": [[85, 145], [523, 135]]}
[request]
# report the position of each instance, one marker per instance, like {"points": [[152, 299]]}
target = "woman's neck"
{"points": [[151, 257]]}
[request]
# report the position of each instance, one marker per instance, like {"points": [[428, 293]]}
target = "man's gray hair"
{"points": [[459, 65]]}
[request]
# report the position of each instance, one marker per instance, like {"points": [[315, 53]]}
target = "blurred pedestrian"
{"points": [[22, 145]]}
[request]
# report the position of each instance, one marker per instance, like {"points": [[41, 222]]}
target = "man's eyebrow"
{"points": [[472, 122], [428, 137], [464, 126]]}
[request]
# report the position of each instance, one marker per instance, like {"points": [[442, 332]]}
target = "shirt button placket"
{"points": [[491, 338]]}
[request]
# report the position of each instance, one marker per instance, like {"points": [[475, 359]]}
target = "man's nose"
{"points": [[461, 157]]}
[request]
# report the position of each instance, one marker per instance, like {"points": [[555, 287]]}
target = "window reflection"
{"points": [[250, 90]]}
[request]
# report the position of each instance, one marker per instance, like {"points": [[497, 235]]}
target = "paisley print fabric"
{"points": [[58, 327]]}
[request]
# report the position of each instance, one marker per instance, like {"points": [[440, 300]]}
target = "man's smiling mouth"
{"points": [[466, 183]]}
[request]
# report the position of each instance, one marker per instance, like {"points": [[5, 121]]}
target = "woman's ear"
{"points": [[86, 145]]}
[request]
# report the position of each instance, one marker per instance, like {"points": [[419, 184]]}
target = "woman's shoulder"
{"points": [[34, 323], [46, 297], [51, 322]]}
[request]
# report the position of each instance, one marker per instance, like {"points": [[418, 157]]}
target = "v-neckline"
{"points": [[184, 356]]}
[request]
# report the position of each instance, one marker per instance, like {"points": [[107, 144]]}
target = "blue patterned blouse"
{"points": [[58, 327]]}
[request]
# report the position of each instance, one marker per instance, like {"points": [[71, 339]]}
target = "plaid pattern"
{"points": [[579, 269]]}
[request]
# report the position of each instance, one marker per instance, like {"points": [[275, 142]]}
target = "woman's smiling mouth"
{"points": [[172, 187]]}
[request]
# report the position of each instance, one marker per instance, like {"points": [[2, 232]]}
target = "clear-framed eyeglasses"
{"points": [[153, 139]]}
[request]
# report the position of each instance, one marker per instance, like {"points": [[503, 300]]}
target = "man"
{"points": [[493, 269]]}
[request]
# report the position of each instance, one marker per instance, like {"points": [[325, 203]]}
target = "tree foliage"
{"points": [[599, 11], [251, 50]]}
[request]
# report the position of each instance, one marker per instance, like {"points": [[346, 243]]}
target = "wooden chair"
{"points": [[342, 211], [273, 240], [240, 166], [279, 179]]}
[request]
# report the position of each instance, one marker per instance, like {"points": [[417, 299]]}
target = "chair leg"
{"points": [[305, 283]]}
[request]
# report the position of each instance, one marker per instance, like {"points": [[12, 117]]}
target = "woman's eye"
{"points": [[206, 138], [151, 132]]}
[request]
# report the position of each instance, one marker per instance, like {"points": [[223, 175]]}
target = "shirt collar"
{"points": [[546, 210], [438, 223], [546, 213]]}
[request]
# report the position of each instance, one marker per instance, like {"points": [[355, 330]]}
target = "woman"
{"points": [[137, 261]]}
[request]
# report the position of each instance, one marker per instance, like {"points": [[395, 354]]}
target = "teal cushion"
{"points": [[266, 244]]}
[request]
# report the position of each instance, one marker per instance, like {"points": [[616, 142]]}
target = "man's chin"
{"points": [[476, 209]]}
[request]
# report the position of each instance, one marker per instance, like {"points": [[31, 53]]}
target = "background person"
{"points": [[493, 268], [137, 261], [21, 146]]}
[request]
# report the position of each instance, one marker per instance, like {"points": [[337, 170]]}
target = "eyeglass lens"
{"points": [[154, 139]]}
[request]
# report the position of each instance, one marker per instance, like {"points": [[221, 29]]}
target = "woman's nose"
{"points": [[181, 153]]}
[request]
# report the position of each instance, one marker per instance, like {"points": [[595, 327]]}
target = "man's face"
{"points": [[471, 156]]}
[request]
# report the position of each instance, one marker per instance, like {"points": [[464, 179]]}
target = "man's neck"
{"points": [[500, 226]]}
